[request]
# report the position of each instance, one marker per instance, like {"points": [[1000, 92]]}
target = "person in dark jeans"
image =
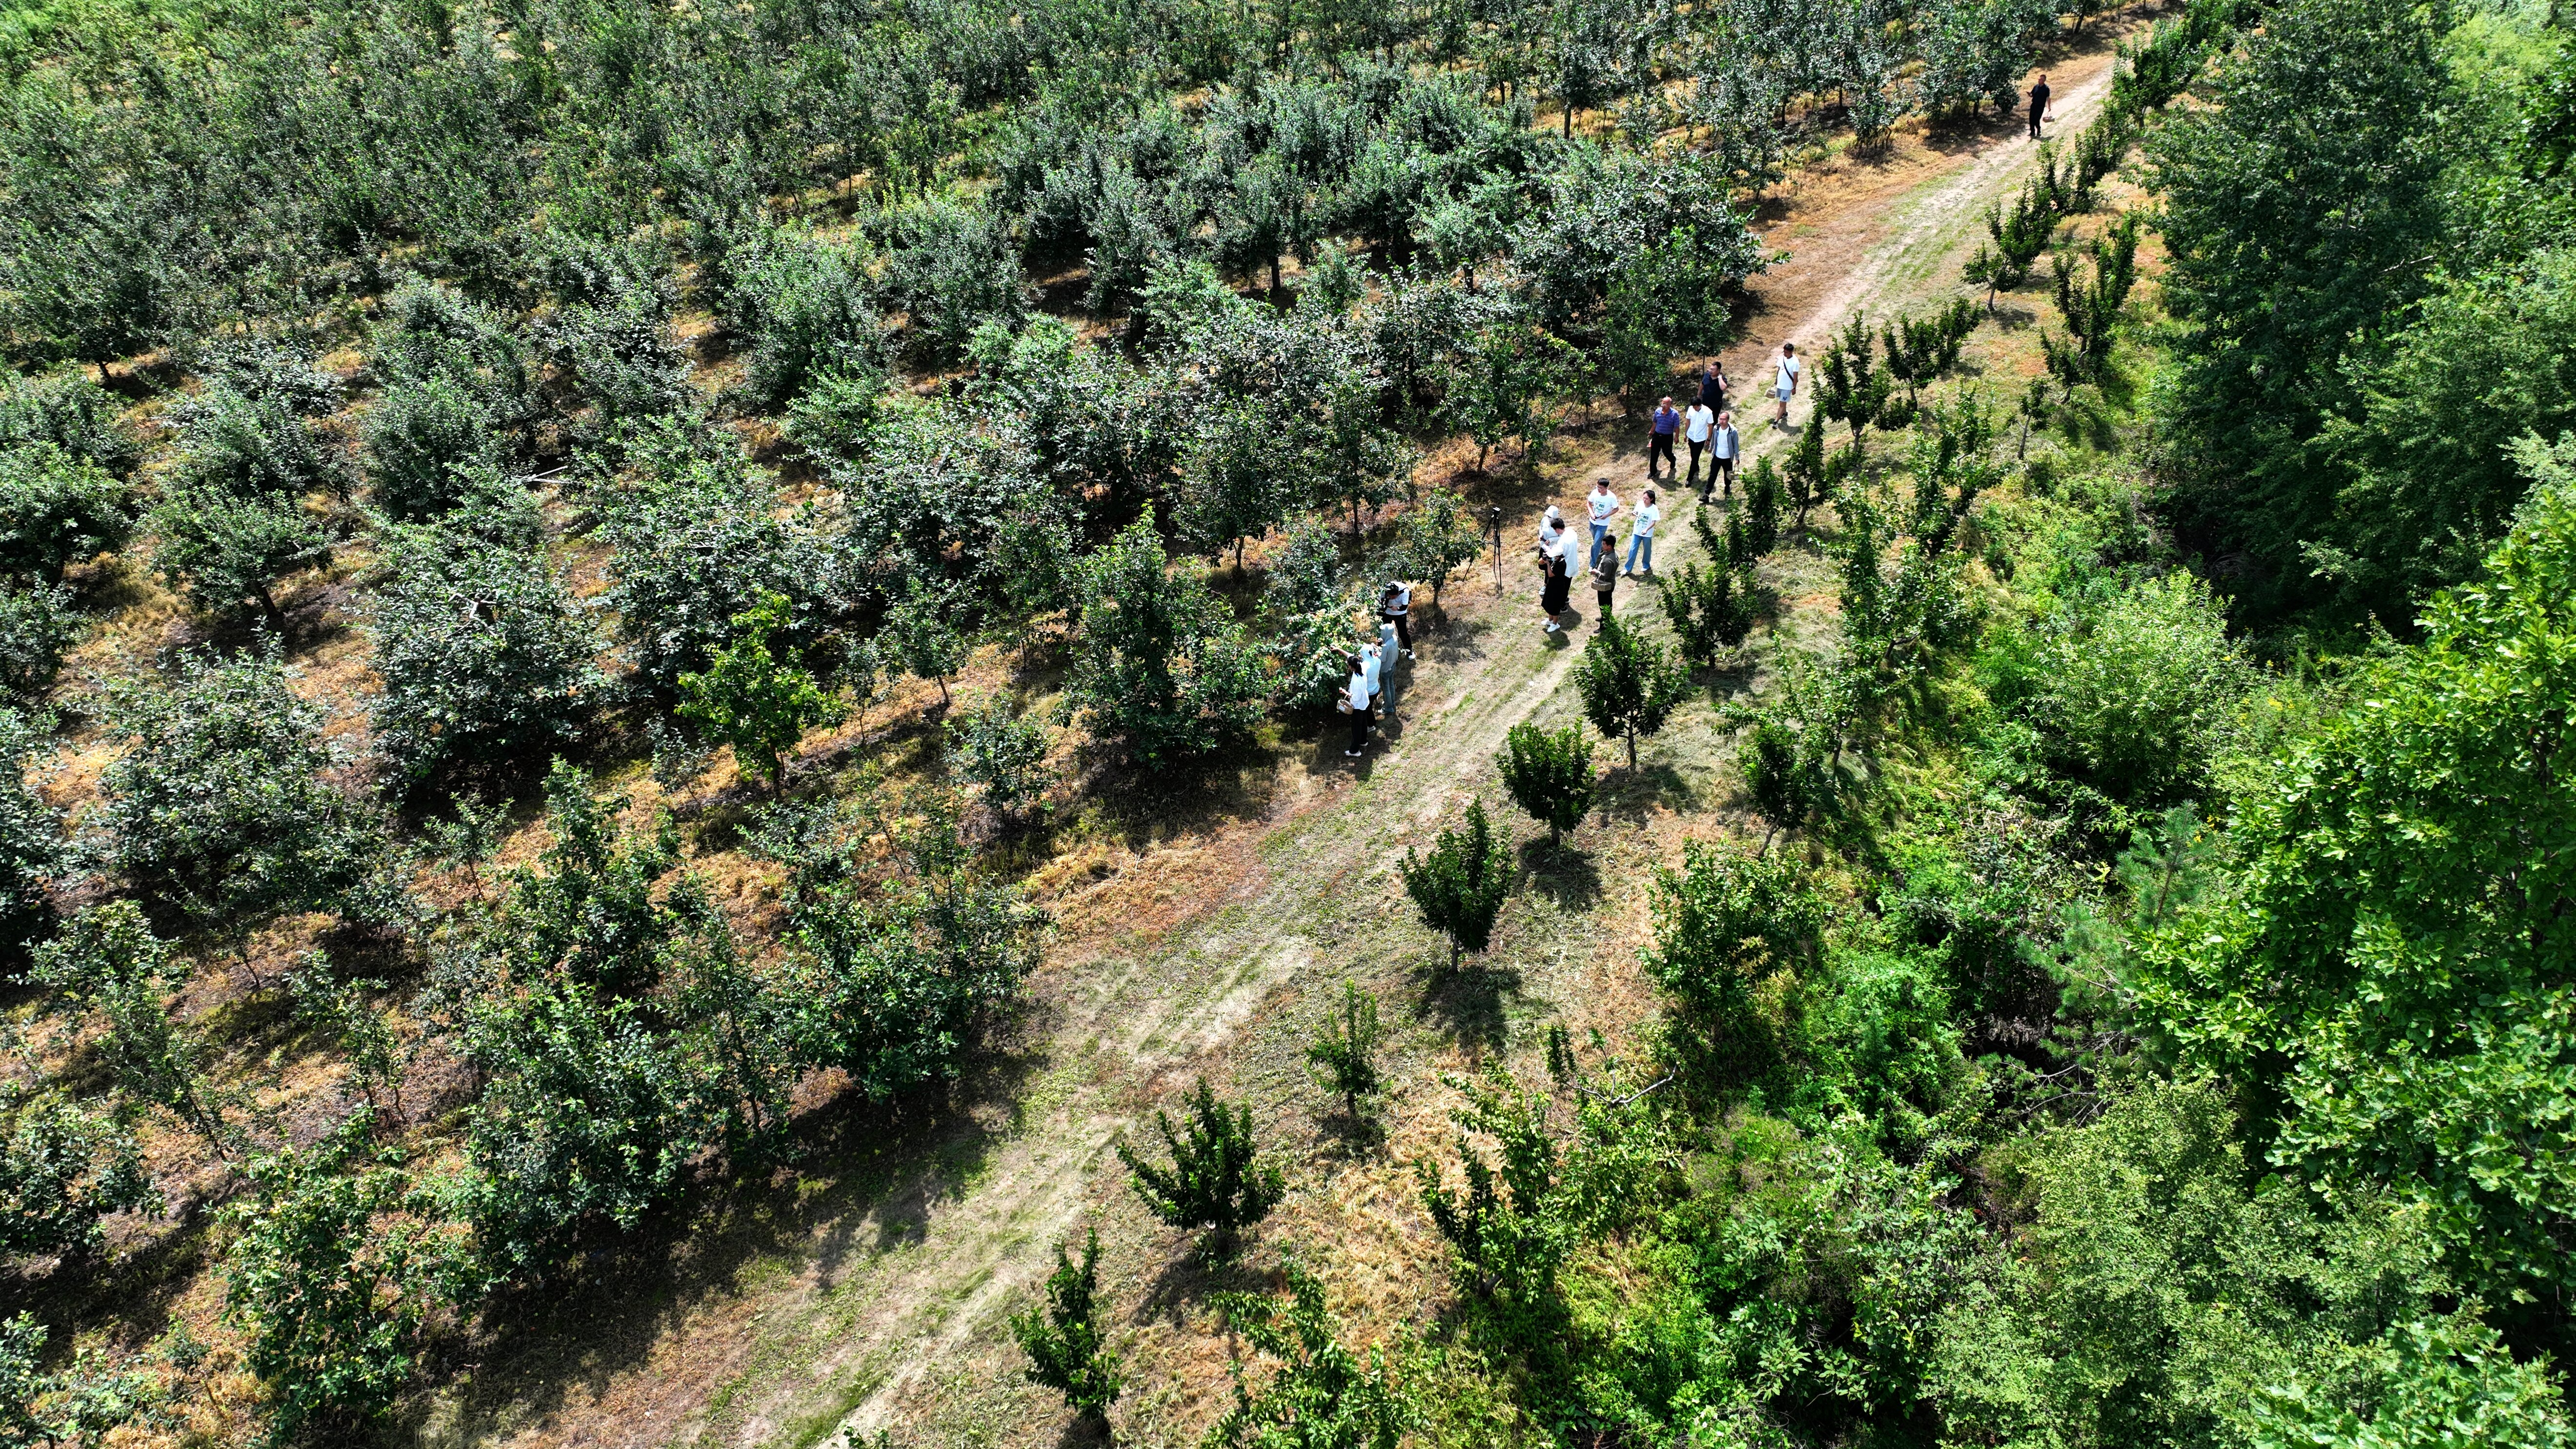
{"points": [[1395, 606], [2038, 104], [1667, 423], [1605, 577]]}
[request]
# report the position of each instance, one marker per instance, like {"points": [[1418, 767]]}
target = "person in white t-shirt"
{"points": [[1641, 534], [1784, 382], [1605, 507], [1553, 533], [1355, 703], [1696, 424]]}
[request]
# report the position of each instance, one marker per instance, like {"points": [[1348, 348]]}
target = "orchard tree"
{"points": [[1343, 1056], [1438, 537], [1160, 662], [227, 550], [1322, 1393], [920, 635], [1503, 382], [1549, 774], [1629, 684], [1711, 610], [64, 1166], [1216, 1180], [1460, 886], [108, 964], [1004, 755], [57, 509], [749, 699], [37, 626], [33, 851], [1067, 1346]]}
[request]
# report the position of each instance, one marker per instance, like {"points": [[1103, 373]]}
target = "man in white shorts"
{"points": [[1784, 382]]}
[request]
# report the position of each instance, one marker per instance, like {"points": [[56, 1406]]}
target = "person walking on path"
{"points": [[1725, 445], [1605, 507], [2038, 103], [1712, 386], [1660, 444], [1394, 606], [1784, 382], [1355, 703], [1641, 534], [1605, 577], [1695, 427], [1556, 575]]}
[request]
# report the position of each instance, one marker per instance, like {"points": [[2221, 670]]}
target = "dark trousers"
{"points": [[1697, 447], [1359, 729], [1603, 596], [2034, 123], [1662, 448], [1721, 470], [1403, 631]]}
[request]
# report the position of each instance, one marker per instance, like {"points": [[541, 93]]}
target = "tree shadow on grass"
{"points": [[1471, 1003], [1568, 877], [1190, 1277], [1630, 795]]}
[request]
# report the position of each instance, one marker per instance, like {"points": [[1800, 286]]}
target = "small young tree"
{"points": [[1439, 537], [752, 701], [1216, 1179], [1343, 1056], [1761, 511], [108, 962], [1549, 774], [1323, 1394], [1004, 755], [1629, 684], [62, 1168], [1068, 1349], [1459, 887], [1711, 610], [920, 636]]}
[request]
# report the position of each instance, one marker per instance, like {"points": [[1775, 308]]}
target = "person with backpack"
{"points": [[1725, 445], [1784, 382], [1641, 534], [2038, 104], [1355, 703], [1394, 606], [1695, 428], [1659, 445]]}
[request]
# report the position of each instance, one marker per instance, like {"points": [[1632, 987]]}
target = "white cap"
{"points": [[1551, 510]]}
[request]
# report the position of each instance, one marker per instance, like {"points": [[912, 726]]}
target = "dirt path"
{"points": [[859, 1333]]}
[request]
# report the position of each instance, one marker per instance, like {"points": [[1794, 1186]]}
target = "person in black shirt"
{"points": [[2038, 104], [1712, 386]]}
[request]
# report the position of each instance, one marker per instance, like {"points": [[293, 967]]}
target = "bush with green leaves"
{"points": [[37, 625], [226, 551], [108, 965], [622, 359], [1068, 1348], [1159, 663], [1459, 888], [893, 970], [420, 434], [70, 412], [587, 910], [1711, 609], [920, 635], [1343, 1056], [1216, 1179], [1548, 773], [58, 509], [808, 308], [33, 851], [338, 1267], [1003, 755], [485, 657], [1629, 683], [63, 1167], [1322, 1393], [835, 418], [1439, 536], [255, 445], [221, 809], [694, 547], [2133, 690], [951, 268], [749, 699], [1725, 923]]}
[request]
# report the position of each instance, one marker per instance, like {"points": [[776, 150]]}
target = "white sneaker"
{"points": [[1408, 653], [1350, 754]]}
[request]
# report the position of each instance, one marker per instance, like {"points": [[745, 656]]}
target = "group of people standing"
{"points": [[1559, 538], [1364, 692]]}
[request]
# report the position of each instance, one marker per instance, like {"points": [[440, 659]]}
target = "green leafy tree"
{"points": [[750, 700], [1068, 1348], [1630, 684], [1727, 923], [1216, 1180], [1503, 382], [1322, 1393], [33, 851], [1004, 755], [57, 509], [1343, 1056], [586, 909], [37, 624], [1160, 662], [920, 635], [1548, 774], [64, 1166], [336, 1272], [1460, 886], [226, 551], [1711, 610], [2090, 304], [108, 964], [1438, 537]]}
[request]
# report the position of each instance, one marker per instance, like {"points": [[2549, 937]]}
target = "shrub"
{"points": [[247, 446], [749, 700], [1343, 1056], [225, 550], [2136, 695], [219, 809], [835, 417], [1322, 1393], [1160, 664], [108, 963], [1549, 774], [1725, 923], [1459, 887], [696, 548], [952, 267], [622, 359], [1003, 755], [809, 313], [70, 412], [1067, 1348], [62, 1168], [1711, 610], [36, 625], [1216, 1179], [920, 635], [57, 509], [485, 657], [419, 434], [1630, 684], [335, 1274], [32, 848]]}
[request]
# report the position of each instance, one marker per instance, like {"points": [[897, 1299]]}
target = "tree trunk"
{"points": [[1569, 120], [1632, 749]]}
